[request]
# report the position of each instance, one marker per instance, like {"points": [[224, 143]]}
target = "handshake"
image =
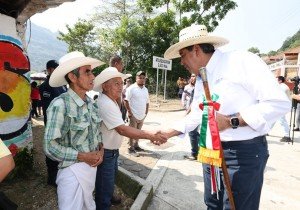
{"points": [[158, 137]]}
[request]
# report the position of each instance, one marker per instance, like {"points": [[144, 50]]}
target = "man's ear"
{"points": [[72, 77]]}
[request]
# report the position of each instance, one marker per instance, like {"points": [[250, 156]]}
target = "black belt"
{"points": [[111, 150], [256, 140]]}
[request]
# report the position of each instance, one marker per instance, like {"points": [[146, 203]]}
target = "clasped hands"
{"points": [[158, 137], [93, 158]]}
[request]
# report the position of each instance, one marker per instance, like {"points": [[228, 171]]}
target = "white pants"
{"points": [[75, 186], [286, 128]]}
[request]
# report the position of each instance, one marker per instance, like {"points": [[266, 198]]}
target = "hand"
{"points": [[223, 121], [101, 151], [158, 138], [92, 158]]}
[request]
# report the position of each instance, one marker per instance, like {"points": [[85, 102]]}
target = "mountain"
{"points": [[43, 46]]}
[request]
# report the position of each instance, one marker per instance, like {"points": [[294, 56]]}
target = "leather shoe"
{"points": [[190, 157], [285, 139], [139, 149], [115, 200]]}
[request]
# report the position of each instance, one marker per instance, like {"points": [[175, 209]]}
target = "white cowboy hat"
{"points": [[194, 34], [107, 74], [68, 63]]}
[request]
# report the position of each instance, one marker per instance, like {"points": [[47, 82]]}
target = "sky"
{"points": [[264, 24]]}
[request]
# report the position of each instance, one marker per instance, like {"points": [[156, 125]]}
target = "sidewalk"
{"points": [[178, 183]]}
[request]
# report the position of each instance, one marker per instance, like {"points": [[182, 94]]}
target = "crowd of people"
{"points": [[83, 135]]}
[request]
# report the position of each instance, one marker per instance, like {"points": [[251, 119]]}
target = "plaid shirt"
{"points": [[73, 126]]}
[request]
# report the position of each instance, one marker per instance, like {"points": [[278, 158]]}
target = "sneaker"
{"points": [[133, 152], [115, 200], [139, 149], [285, 139], [296, 129], [190, 157]]}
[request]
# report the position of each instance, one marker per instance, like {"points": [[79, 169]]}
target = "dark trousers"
{"points": [[194, 139], [34, 104], [105, 179], [52, 169], [246, 161]]}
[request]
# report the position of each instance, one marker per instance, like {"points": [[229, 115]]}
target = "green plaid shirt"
{"points": [[73, 126]]}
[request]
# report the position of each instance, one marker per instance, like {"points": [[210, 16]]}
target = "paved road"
{"points": [[182, 184]]}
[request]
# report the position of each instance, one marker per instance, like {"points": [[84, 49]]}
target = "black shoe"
{"points": [[286, 139], [190, 157], [138, 149], [296, 129], [115, 200], [133, 152]]}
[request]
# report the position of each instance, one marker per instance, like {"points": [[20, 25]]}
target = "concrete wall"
{"points": [[14, 87]]}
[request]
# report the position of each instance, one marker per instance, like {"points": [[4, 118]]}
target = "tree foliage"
{"points": [[82, 37], [254, 50], [291, 42]]}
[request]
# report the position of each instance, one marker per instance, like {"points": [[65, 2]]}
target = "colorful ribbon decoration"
{"points": [[209, 141]]}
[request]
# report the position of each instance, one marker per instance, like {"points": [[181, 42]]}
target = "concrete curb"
{"points": [[139, 189]]}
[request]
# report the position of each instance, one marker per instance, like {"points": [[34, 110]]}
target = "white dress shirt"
{"points": [[244, 85]]}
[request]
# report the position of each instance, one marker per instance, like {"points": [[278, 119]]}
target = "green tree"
{"points": [[254, 50], [291, 42], [82, 37], [206, 12]]}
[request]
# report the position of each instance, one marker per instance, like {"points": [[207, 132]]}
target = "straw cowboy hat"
{"points": [[68, 63], [107, 74], [194, 34]]}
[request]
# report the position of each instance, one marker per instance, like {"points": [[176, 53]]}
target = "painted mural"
{"points": [[15, 128]]}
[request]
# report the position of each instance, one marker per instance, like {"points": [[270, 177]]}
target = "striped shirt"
{"points": [[73, 126]]}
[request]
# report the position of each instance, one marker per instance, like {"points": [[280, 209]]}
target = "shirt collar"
{"points": [[76, 98]]}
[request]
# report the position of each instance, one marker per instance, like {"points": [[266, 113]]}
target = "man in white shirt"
{"points": [[137, 104], [246, 114], [110, 84], [283, 122]]}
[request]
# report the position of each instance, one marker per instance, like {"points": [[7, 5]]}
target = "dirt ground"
{"points": [[33, 192]]}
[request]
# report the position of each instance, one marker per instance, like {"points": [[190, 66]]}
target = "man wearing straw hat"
{"points": [[72, 134], [110, 83], [247, 112]]}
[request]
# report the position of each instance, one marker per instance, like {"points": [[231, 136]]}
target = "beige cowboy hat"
{"points": [[68, 63], [194, 34], [107, 74]]}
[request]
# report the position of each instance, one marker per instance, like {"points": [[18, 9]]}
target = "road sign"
{"points": [[161, 63]]}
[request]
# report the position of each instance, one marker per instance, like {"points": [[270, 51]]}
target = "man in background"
{"points": [[48, 93], [283, 122], [137, 105]]}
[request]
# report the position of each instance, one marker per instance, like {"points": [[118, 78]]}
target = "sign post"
{"points": [[161, 63]]}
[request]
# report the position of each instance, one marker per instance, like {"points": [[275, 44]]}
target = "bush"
{"points": [[24, 164], [171, 89]]}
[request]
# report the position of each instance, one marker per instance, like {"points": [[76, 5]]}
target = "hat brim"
{"points": [[173, 51], [57, 78], [100, 79]]}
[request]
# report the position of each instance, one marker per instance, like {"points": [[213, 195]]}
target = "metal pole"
{"points": [[157, 85], [165, 86]]}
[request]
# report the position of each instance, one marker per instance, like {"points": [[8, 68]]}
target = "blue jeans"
{"points": [[245, 162], [105, 179], [194, 139]]}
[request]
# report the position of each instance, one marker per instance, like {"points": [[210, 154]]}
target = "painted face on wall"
{"points": [[14, 89]]}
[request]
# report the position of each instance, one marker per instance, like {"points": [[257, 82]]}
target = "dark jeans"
{"points": [[52, 169], [194, 139], [105, 179], [246, 162]]}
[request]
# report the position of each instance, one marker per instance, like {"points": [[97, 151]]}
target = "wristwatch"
{"points": [[234, 121]]}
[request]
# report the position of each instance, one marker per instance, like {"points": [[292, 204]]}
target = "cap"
{"points": [[139, 73], [52, 64]]}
